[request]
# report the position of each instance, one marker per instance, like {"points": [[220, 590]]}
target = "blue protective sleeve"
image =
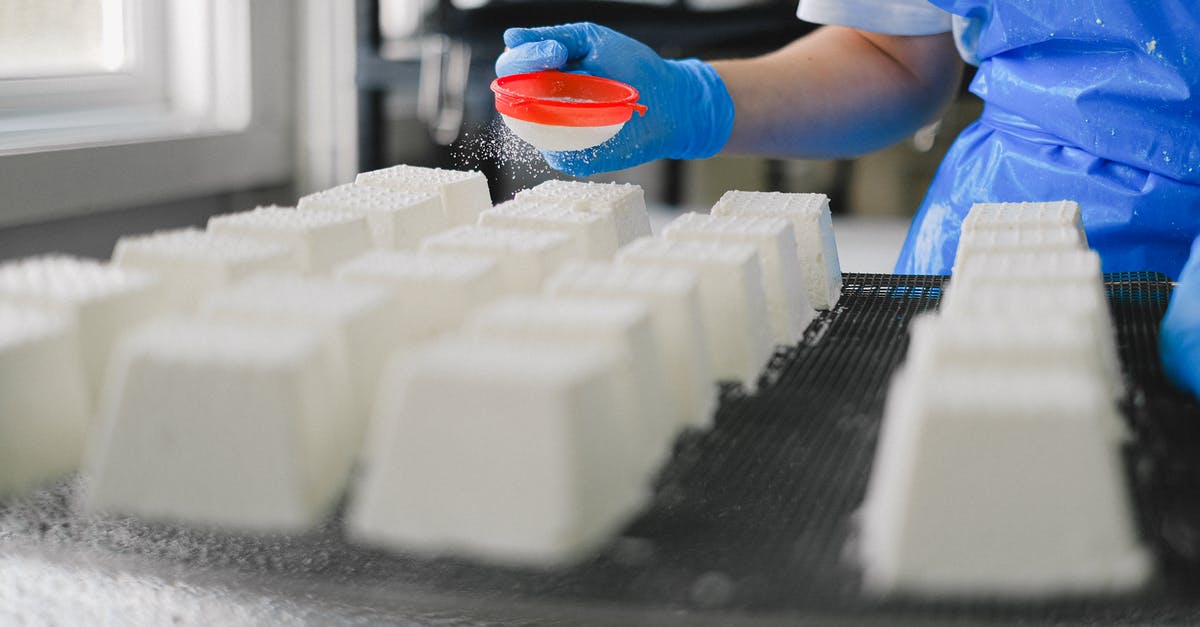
{"points": [[1179, 337]]}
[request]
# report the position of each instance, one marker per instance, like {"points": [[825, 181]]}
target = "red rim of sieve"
{"points": [[563, 99]]}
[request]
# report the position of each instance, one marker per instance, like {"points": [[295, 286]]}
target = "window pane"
{"points": [[61, 37]]}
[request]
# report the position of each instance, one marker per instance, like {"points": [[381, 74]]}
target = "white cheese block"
{"points": [[318, 240], [813, 225], [996, 482], [1029, 240], [1016, 340], [594, 235], [222, 424], [733, 306], [44, 402], [397, 219], [672, 296], [464, 193], [500, 450], [437, 291], [624, 201], [526, 258], [1082, 303], [1081, 300], [783, 281], [623, 327], [103, 300], [358, 321], [1072, 264], [1024, 215], [193, 263]]}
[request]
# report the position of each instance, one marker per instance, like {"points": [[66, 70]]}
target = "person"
{"points": [[1096, 101]]}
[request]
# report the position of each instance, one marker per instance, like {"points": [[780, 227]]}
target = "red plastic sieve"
{"points": [[562, 99]]}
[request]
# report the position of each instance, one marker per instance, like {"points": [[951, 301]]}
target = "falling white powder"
{"points": [[495, 143]]}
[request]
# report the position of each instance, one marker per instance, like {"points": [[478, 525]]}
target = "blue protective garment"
{"points": [[689, 113], [1090, 100], [1179, 338]]}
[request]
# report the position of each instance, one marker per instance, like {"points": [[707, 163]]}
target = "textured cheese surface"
{"points": [[1023, 239], [363, 198], [733, 304], [194, 245], [318, 239], [68, 280], [463, 193], [401, 265], [620, 326], [547, 406], [398, 219], [672, 294], [44, 402], [437, 291], [1049, 265], [193, 263], [595, 234], [276, 218], [1010, 215], [1017, 340], [955, 464], [223, 424], [103, 300], [812, 222], [21, 325], [625, 202], [526, 257], [783, 280], [357, 320], [289, 295], [589, 193]]}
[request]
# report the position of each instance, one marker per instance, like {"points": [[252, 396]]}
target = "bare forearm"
{"points": [[839, 92]]}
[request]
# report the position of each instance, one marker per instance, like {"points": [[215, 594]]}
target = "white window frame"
{"points": [[199, 124]]}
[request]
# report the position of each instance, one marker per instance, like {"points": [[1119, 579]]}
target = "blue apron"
{"points": [[1090, 100]]}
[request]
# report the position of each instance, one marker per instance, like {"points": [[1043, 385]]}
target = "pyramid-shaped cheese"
{"points": [[783, 280], [464, 193], [997, 482], [620, 326], [497, 449], [397, 219], [44, 402], [192, 263], [437, 291], [318, 240], [624, 202], [103, 300], [672, 296], [526, 257], [733, 305], [223, 424], [813, 225], [358, 320], [594, 235]]}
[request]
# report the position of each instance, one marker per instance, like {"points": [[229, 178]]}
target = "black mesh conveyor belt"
{"points": [[750, 521]]}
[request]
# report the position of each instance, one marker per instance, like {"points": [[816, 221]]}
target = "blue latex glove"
{"points": [[1179, 337], [689, 112]]}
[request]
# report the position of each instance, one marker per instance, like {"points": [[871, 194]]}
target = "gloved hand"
{"points": [[689, 112], [1179, 336]]}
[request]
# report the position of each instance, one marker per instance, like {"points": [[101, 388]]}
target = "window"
{"points": [[41, 38], [110, 103]]}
